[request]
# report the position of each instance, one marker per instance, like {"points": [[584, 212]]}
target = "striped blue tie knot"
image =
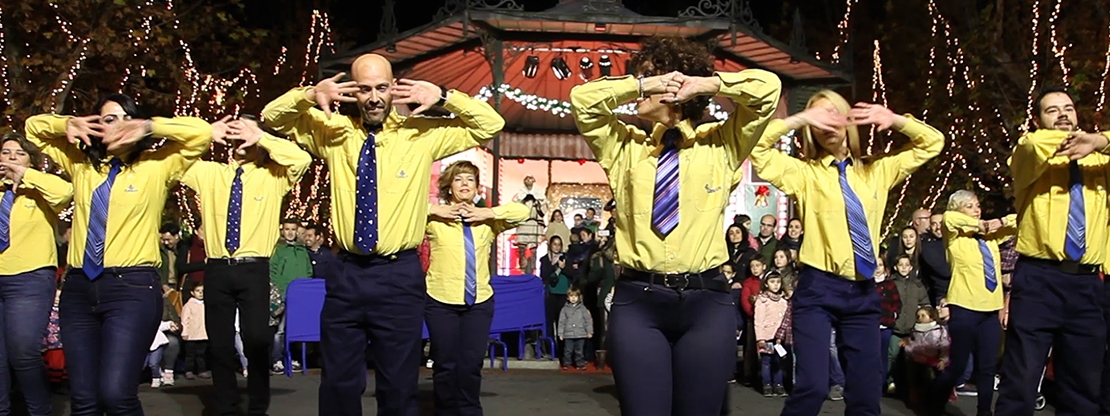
{"points": [[857, 225], [664, 208]]}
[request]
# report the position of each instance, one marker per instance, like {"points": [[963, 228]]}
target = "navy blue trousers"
{"points": [[378, 300], [672, 350], [1050, 308], [109, 324], [973, 333], [1104, 396], [461, 334], [821, 302], [25, 302]]}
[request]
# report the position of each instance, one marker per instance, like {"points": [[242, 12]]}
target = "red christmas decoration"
{"points": [[520, 161], [761, 194], [581, 162]]}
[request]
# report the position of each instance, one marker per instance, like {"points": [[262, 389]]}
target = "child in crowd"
{"points": [[929, 343], [770, 309], [913, 296], [52, 347], [575, 326], [748, 292], [785, 334], [784, 264], [891, 304], [195, 335]]}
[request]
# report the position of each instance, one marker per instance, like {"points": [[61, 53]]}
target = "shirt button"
{"points": [[671, 256]]}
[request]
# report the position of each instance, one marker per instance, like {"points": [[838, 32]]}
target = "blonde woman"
{"points": [[835, 288]]}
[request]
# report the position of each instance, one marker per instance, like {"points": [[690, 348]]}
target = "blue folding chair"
{"points": [[494, 341], [304, 300]]}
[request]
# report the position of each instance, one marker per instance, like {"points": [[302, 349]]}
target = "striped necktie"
{"points": [[471, 287], [857, 225], [988, 264], [664, 209], [366, 204], [1075, 243], [234, 213], [98, 223], [6, 219]]}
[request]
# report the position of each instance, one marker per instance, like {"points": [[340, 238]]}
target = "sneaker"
{"points": [[582, 368], [890, 388], [836, 393], [966, 390], [167, 378], [566, 367], [189, 375], [278, 368], [205, 375], [780, 391], [767, 391], [245, 374], [429, 364], [155, 383], [296, 365]]}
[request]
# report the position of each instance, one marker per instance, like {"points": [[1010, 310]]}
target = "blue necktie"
{"points": [[857, 225], [664, 209], [1076, 242], [6, 219], [234, 213], [98, 224], [366, 206], [988, 265], [471, 265]]}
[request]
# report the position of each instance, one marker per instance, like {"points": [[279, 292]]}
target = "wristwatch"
{"points": [[442, 96]]}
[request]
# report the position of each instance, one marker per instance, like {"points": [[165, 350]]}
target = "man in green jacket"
{"points": [[290, 260]]}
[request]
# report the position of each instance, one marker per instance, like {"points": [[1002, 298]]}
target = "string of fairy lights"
{"points": [[1102, 79], [4, 69], [842, 30]]}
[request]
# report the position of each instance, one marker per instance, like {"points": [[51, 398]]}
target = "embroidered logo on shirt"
{"points": [[711, 190], [401, 174], [258, 199], [130, 188]]}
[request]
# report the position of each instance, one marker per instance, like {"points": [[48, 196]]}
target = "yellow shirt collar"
{"points": [[686, 127]]}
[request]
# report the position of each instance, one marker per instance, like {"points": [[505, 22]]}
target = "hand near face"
{"points": [[221, 131], [874, 114], [330, 90], [12, 172], [689, 88], [126, 133], [249, 132], [422, 93], [81, 129]]}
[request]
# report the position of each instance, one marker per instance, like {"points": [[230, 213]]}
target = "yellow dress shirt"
{"points": [[710, 156], [1041, 181], [447, 259], [138, 193], [32, 225], [968, 288], [264, 187], [816, 186], [406, 147]]}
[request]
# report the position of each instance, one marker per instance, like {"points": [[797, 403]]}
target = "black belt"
{"points": [[1066, 266], [680, 281], [232, 261]]}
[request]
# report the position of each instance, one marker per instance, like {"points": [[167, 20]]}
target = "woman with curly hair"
{"points": [[671, 185]]}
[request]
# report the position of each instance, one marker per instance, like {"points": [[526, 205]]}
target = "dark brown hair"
{"points": [[32, 151], [449, 174], [660, 55]]}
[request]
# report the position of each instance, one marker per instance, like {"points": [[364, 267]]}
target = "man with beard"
{"points": [[935, 271], [1057, 293], [380, 162]]}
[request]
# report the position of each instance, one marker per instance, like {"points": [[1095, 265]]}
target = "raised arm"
{"points": [[756, 94], [509, 216], [475, 123], [48, 133], [56, 191], [187, 138], [593, 103], [774, 166], [295, 114], [287, 155], [959, 224], [1007, 228], [926, 143], [1031, 155]]}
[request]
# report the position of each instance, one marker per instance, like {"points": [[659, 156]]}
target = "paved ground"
{"points": [[512, 393]]}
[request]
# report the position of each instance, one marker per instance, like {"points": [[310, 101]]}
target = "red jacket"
{"points": [[750, 290]]}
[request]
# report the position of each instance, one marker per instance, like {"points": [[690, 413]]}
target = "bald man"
{"points": [[380, 165], [768, 243]]}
